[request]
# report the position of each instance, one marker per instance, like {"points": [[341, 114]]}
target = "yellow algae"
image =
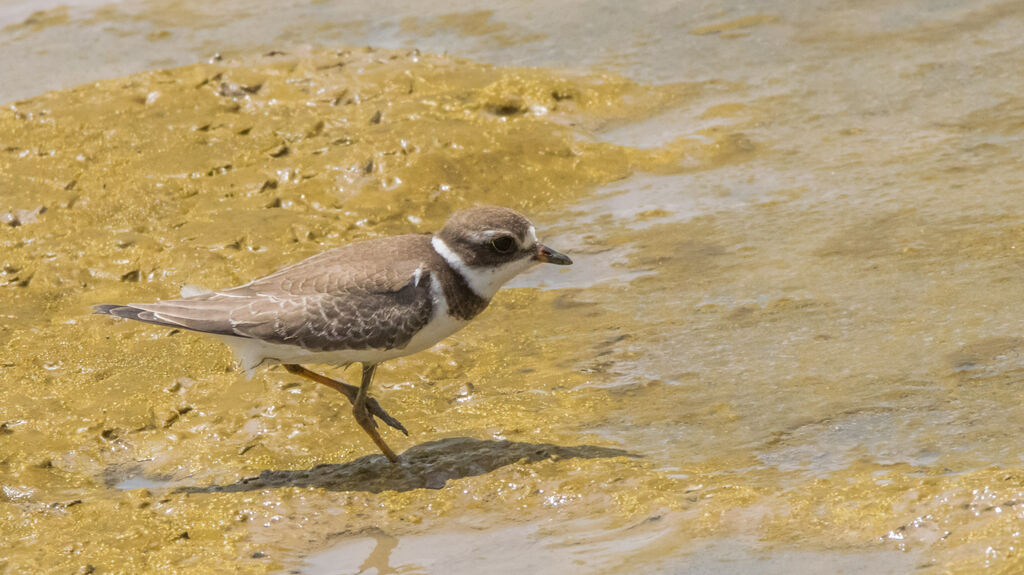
{"points": [[211, 174]]}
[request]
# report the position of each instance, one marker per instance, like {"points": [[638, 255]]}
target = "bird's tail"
{"points": [[129, 312]]}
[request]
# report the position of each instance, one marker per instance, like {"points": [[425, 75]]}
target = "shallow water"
{"points": [[790, 342]]}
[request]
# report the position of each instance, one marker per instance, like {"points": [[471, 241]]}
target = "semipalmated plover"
{"points": [[365, 302]]}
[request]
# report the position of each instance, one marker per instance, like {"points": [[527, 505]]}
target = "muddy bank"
{"points": [[219, 172]]}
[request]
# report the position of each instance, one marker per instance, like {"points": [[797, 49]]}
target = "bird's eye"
{"points": [[503, 245]]}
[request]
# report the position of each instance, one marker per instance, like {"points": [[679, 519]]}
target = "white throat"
{"points": [[485, 282]]}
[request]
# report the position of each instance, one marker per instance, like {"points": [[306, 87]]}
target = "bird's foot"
{"points": [[376, 410]]}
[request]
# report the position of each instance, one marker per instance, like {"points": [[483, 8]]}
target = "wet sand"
{"points": [[790, 342]]}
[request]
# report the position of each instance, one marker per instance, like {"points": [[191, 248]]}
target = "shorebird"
{"points": [[364, 302]]}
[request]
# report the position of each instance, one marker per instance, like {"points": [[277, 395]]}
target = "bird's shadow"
{"points": [[425, 466]]}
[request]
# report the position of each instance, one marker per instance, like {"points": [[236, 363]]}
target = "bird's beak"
{"points": [[548, 255]]}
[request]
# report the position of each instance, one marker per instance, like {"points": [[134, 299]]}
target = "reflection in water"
{"points": [[380, 557], [425, 466]]}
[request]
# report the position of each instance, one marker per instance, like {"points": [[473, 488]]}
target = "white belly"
{"points": [[253, 353]]}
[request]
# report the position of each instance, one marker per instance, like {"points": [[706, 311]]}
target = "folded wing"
{"points": [[359, 296]]}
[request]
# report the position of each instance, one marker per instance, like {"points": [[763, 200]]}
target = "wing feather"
{"points": [[357, 296]]}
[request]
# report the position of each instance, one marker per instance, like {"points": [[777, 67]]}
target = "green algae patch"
{"points": [[212, 174]]}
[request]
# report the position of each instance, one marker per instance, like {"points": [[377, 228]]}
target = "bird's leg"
{"points": [[362, 414], [349, 391]]}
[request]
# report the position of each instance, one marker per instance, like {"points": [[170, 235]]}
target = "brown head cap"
{"points": [[489, 236]]}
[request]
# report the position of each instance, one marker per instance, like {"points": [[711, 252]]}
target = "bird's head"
{"points": [[490, 245]]}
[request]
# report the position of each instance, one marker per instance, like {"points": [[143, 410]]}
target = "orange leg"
{"points": [[349, 391]]}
